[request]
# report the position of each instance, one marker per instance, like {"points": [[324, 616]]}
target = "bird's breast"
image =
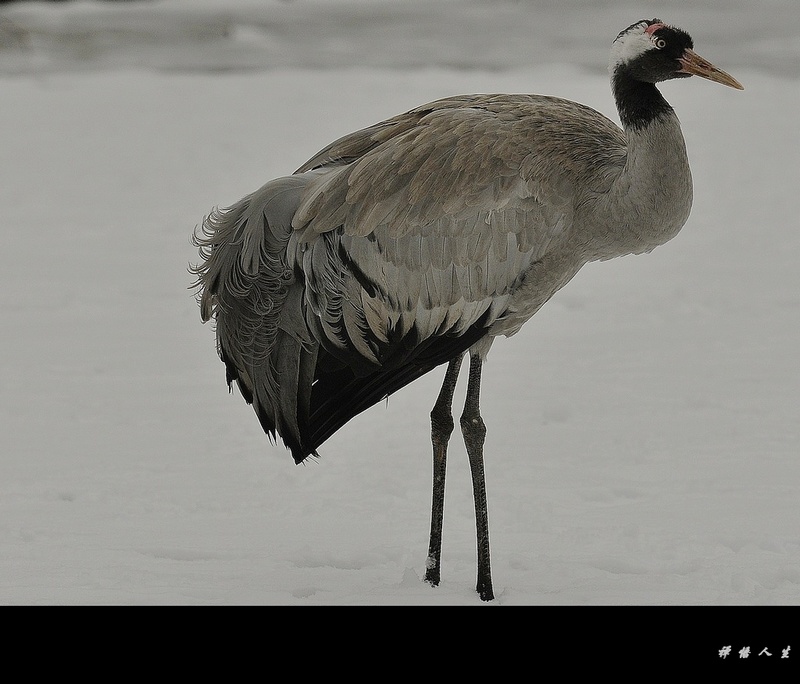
{"points": [[648, 202]]}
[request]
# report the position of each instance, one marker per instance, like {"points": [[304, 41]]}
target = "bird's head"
{"points": [[651, 51]]}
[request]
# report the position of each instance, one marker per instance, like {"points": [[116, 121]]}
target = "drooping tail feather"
{"points": [[244, 283]]}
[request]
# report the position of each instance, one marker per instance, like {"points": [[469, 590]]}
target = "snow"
{"points": [[643, 435]]}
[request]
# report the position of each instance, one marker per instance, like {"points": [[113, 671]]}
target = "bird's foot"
{"points": [[432, 571], [485, 591]]}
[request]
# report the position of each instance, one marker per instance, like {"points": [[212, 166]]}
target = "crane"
{"points": [[418, 240]]}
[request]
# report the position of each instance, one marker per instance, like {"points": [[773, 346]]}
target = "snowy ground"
{"points": [[643, 443]]}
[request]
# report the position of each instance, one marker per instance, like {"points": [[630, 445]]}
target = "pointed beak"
{"points": [[694, 64]]}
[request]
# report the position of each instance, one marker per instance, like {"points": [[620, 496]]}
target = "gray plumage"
{"points": [[403, 245]]}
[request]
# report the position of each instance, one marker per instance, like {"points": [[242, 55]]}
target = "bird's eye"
{"points": [[660, 43]]}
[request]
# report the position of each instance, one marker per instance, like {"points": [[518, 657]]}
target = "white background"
{"points": [[643, 443]]}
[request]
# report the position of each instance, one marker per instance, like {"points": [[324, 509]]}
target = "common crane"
{"points": [[409, 243]]}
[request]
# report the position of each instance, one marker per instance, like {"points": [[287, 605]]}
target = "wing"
{"points": [[425, 224]]}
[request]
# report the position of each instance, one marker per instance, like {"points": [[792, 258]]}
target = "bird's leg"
{"points": [[474, 431], [441, 429]]}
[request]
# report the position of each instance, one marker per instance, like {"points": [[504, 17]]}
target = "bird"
{"points": [[417, 241]]}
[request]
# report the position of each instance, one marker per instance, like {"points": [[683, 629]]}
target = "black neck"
{"points": [[639, 103]]}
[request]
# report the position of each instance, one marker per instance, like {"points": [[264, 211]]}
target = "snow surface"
{"points": [[643, 442]]}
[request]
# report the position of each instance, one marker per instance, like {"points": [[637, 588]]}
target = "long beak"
{"points": [[692, 63]]}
